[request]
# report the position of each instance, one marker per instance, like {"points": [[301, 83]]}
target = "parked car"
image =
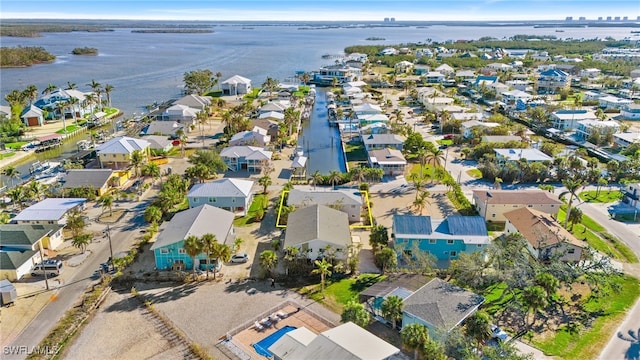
{"points": [[240, 258], [498, 333]]}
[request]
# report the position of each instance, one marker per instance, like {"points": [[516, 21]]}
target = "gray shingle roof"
{"points": [[412, 224], [325, 197], [317, 222], [383, 139], [79, 178], [122, 145], [442, 304], [11, 234], [197, 221]]}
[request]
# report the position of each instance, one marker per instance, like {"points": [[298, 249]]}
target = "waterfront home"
{"points": [[515, 155], [249, 158], [370, 119], [299, 168], [492, 204], [342, 73], [500, 138], [374, 128], [201, 103], [347, 201], [168, 249], [315, 229], [623, 140], [26, 240], [511, 97], [388, 51], [116, 153], [382, 141], [440, 306], [433, 77], [630, 112], [271, 127], [159, 143], [438, 103], [613, 102], [346, 341], [49, 102], [587, 128], [50, 211], [551, 81], [445, 239], [468, 126], [546, 238], [367, 109], [271, 115], [391, 161], [32, 116], [278, 106], [182, 114], [236, 85], [445, 69], [632, 195], [568, 119], [403, 67], [96, 179], [421, 69], [166, 128], [485, 80], [233, 195], [255, 137]]}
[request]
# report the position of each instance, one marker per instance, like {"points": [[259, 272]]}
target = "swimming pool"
{"points": [[262, 346]]}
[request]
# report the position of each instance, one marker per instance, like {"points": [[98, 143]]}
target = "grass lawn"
{"points": [[382, 70], [259, 200], [338, 293], [427, 170], [6, 155], [475, 173], [16, 145], [68, 129], [355, 152], [588, 343], [607, 196]]}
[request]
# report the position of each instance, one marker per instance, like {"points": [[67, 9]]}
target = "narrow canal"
{"points": [[321, 142]]}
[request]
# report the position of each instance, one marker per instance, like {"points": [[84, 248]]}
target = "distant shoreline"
{"points": [[173, 31]]}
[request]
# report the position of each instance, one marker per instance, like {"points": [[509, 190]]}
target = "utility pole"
{"points": [[108, 232]]}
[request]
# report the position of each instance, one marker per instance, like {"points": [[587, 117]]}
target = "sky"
{"points": [[312, 10]]}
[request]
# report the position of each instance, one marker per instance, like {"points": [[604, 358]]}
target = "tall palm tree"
{"points": [[316, 177], [95, 87], [182, 136], [31, 93], [75, 223], [268, 261], [208, 242], [356, 313], [71, 86], [60, 107], [534, 298], [107, 203], [478, 327], [414, 336], [73, 105], [35, 189], [16, 195], [49, 89], [334, 177], [193, 247], [90, 100], [265, 181], [12, 173], [108, 88], [572, 186], [151, 170], [435, 157], [220, 252], [421, 201], [392, 309], [138, 158], [324, 269], [81, 241], [153, 214]]}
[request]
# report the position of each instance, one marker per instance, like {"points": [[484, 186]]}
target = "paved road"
{"points": [[621, 349]]}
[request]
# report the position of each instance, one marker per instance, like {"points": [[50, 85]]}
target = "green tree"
{"points": [[324, 269], [356, 313], [153, 214], [601, 182], [432, 350], [268, 261], [193, 247], [17, 195], [151, 170], [81, 241], [208, 242], [392, 309], [265, 181], [209, 158], [35, 189], [108, 88], [478, 327], [316, 177], [199, 171], [414, 336], [12, 173], [199, 81], [220, 252], [75, 223], [138, 158], [106, 201], [572, 185], [379, 237], [549, 283], [386, 259], [435, 157], [575, 217], [334, 177], [534, 298]]}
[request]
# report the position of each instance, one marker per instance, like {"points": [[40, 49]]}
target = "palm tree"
{"points": [[478, 327], [324, 269], [208, 242], [138, 157], [153, 214], [575, 217], [392, 309], [90, 100], [81, 241], [107, 203], [222, 254], [182, 136], [71, 86], [265, 181], [386, 258], [152, 170], [35, 190], [414, 336], [49, 89], [316, 177], [601, 182], [572, 186], [73, 105], [421, 201], [95, 87], [60, 106], [108, 88], [268, 261], [16, 195], [356, 313], [12, 173], [435, 157], [193, 247], [534, 298], [31, 93], [334, 177], [75, 223]]}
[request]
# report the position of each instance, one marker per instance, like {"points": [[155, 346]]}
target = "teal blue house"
{"points": [[444, 239], [169, 249]]}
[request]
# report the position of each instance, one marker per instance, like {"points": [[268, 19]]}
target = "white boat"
{"points": [[299, 151]]}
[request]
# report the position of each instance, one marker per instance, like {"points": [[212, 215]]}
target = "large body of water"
{"points": [[145, 68]]}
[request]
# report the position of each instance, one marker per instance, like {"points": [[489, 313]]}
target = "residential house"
{"points": [[346, 341], [374, 128], [249, 158], [440, 306], [466, 75], [403, 67], [5, 111], [255, 137], [500, 138], [367, 109], [421, 69], [347, 201], [311, 229], [511, 97], [382, 141], [632, 195], [590, 73], [159, 143], [271, 115], [166, 128], [96, 179], [613, 102], [521, 85], [552, 80], [50, 211], [515, 155], [433, 77], [233, 195], [568, 119], [116, 153], [468, 126], [342, 73], [498, 87], [623, 140], [236, 85], [26, 240], [445, 239], [445, 69], [388, 51], [438, 103], [180, 113], [32, 116], [49, 103], [370, 119], [587, 127], [278, 106], [501, 67], [201, 103], [271, 127], [400, 284], [546, 238], [493, 204], [391, 161], [168, 249], [299, 168], [485, 80], [630, 112]]}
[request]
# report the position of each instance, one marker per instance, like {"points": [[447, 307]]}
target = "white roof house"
{"points": [[445, 69], [517, 154], [468, 125], [194, 101], [258, 136], [122, 145], [181, 113], [236, 85], [345, 342], [48, 210], [222, 187], [367, 109], [568, 119], [271, 115]]}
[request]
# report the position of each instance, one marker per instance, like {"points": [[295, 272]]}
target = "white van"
{"points": [[52, 267]]}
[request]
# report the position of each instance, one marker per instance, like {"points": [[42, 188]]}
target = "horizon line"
{"points": [[604, 20]]}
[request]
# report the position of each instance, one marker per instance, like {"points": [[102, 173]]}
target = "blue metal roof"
{"points": [[466, 225], [412, 224]]}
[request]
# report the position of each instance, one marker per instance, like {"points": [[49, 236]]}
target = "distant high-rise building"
{"points": [[608, 18], [393, 19], [626, 18], [599, 18], [582, 18], [569, 18], [617, 18], [386, 19]]}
